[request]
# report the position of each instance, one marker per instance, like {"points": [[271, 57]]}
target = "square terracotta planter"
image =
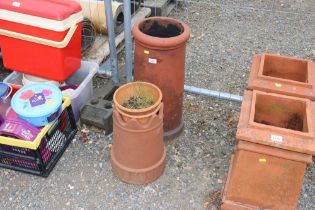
{"points": [[283, 75], [264, 177], [277, 120]]}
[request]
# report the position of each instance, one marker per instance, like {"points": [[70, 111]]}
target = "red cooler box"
{"points": [[41, 37]]}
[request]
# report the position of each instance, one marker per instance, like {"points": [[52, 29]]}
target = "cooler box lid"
{"points": [[50, 9], [57, 15]]}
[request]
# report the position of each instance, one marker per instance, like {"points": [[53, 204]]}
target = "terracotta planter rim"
{"points": [[283, 56], [281, 85], [157, 42], [277, 79], [157, 103], [290, 139], [140, 116], [123, 125], [274, 151], [309, 134]]}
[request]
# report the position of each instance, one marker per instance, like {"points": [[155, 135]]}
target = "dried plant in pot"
{"points": [[138, 153], [137, 100]]}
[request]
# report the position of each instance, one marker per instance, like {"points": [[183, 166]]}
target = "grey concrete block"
{"points": [[98, 112]]}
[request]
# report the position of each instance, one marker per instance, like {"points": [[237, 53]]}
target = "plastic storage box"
{"points": [[41, 155], [82, 77], [47, 34]]}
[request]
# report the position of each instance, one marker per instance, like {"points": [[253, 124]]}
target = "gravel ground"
{"points": [[224, 38], [196, 167]]}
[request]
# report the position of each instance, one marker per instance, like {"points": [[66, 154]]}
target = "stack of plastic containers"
{"points": [[78, 87], [41, 41]]}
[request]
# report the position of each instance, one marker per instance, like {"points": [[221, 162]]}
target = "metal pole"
{"points": [[128, 40], [213, 93], [111, 38]]}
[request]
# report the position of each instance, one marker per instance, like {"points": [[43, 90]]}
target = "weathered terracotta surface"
{"points": [[284, 75], [128, 90], [264, 177], [138, 153], [276, 120], [161, 61], [142, 119]]}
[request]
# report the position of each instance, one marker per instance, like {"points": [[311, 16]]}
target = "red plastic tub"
{"points": [[41, 37]]}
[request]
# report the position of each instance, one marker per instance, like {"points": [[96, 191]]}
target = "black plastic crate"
{"points": [[42, 160]]}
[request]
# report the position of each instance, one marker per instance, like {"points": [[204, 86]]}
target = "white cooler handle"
{"points": [[42, 41]]}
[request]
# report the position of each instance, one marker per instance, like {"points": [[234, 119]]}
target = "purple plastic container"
{"points": [[19, 129], [1, 119], [5, 99]]}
